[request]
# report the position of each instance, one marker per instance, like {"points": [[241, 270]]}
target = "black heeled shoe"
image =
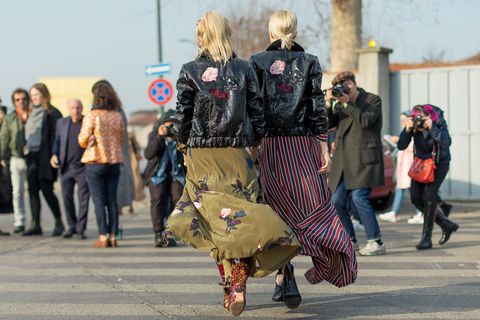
{"points": [[291, 295], [277, 291]]}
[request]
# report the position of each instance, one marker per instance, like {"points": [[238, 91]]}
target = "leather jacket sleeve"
{"points": [[255, 105], [185, 106], [317, 118]]}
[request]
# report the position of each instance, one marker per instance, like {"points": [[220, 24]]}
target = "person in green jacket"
{"points": [[12, 142]]}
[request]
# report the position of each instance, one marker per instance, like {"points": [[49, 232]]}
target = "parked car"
{"points": [[382, 197]]}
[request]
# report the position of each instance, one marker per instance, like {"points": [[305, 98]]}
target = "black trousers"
{"points": [[72, 175], [163, 198], [421, 193], [35, 184]]}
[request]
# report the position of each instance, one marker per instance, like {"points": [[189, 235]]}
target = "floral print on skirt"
{"points": [[218, 212]]}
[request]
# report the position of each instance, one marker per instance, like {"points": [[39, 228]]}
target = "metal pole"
{"points": [[160, 57], [159, 26]]}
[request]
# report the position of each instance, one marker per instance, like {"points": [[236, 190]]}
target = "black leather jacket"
{"points": [[291, 86], [219, 105], [424, 141]]}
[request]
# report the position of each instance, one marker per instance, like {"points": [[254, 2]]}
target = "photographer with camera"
{"points": [[164, 175], [357, 163], [432, 141]]}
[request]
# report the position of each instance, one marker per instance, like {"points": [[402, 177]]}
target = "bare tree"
{"points": [[346, 34], [250, 28], [435, 55], [249, 23], [318, 33]]}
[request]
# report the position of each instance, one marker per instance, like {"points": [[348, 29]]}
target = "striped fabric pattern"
{"points": [[295, 190]]}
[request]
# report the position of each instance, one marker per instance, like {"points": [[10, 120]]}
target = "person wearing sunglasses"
{"points": [[12, 142]]}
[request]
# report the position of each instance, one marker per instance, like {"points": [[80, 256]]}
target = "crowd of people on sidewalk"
{"points": [[91, 153], [241, 168]]}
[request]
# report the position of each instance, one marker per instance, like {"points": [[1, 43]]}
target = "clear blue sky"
{"points": [[115, 39]]}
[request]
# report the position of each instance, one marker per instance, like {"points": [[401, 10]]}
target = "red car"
{"points": [[382, 197]]}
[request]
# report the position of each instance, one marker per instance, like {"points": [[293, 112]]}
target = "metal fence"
{"points": [[457, 91]]}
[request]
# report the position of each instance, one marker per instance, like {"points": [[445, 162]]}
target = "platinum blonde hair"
{"points": [[214, 37], [283, 25]]}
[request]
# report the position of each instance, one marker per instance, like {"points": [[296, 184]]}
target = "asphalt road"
{"points": [[55, 278]]}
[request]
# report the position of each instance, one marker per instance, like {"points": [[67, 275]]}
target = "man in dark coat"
{"points": [[67, 155], [357, 163]]}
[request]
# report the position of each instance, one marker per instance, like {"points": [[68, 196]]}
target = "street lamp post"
{"points": [[159, 30]]}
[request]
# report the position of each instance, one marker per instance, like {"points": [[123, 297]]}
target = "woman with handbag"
{"points": [[219, 113], [102, 135], [294, 159], [432, 141]]}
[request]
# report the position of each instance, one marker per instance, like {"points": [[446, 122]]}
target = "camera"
{"points": [[340, 89], [170, 131], [418, 121]]}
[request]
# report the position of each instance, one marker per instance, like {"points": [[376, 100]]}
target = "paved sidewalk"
{"points": [[47, 278]]}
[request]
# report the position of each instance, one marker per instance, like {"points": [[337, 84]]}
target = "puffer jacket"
{"points": [[424, 141], [291, 81], [219, 105]]}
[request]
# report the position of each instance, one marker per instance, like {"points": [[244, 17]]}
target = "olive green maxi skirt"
{"points": [[218, 212]]}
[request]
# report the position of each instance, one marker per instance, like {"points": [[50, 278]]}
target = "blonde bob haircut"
{"points": [[214, 37], [283, 25]]}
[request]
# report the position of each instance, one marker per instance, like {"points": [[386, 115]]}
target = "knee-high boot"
{"points": [[448, 227], [429, 213]]}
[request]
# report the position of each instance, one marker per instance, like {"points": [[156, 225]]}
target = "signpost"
{"points": [[160, 91], [158, 69]]}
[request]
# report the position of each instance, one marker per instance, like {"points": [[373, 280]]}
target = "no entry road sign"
{"points": [[160, 91]]}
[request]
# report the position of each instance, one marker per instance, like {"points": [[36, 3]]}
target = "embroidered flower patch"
{"points": [[225, 212], [277, 67], [210, 74]]}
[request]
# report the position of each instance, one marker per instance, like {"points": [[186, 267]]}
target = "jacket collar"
{"points": [[205, 55], [277, 45]]}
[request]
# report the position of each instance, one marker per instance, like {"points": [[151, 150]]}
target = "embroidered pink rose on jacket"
{"points": [[277, 67], [210, 74]]}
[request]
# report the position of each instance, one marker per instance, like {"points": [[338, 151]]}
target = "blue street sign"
{"points": [[156, 69]]}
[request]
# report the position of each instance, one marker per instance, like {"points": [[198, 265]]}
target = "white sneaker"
{"points": [[357, 226], [388, 216], [373, 249], [416, 219]]}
